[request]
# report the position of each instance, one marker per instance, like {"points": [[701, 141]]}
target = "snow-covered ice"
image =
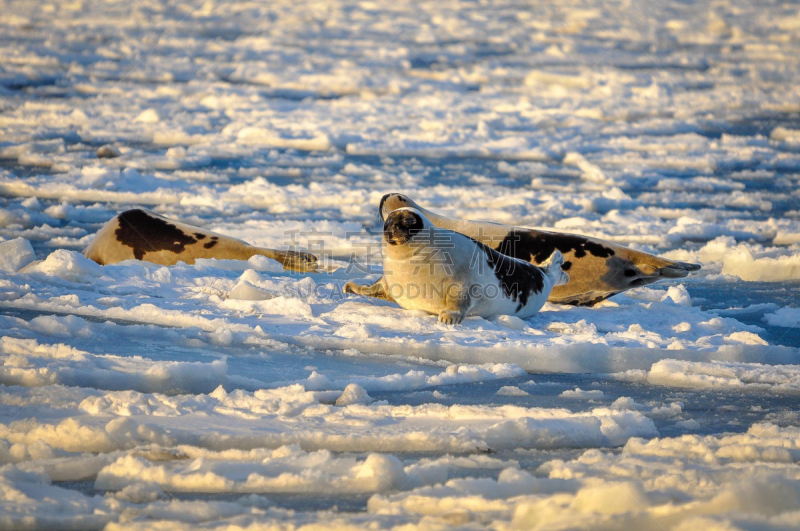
{"points": [[231, 394]]}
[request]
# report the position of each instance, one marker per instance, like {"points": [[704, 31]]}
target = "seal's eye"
{"points": [[409, 221]]}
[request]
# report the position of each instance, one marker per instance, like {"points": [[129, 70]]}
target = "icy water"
{"points": [[234, 395]]}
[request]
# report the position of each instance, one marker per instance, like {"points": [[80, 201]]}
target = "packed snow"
{"points": [[235, 395]]}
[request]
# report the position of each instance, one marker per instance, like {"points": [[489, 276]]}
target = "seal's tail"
{"points": [[677, 269], [552, 268], [650, 268]]}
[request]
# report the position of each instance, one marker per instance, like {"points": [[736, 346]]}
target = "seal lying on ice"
{"points": [[144, 235], [597, 269], [450, 275]]}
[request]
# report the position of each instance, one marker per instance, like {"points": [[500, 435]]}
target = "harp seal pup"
{"points": [[143, 235], [598, 269], [452, 276]]}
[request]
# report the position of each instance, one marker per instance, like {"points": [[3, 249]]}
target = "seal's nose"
{"points": [[395, 230], [388, 231]]}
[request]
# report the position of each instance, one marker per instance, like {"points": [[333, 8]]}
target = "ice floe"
{"points": [[234, 395]]}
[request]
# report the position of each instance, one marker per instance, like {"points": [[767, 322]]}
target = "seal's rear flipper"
{"points": [[654, 267], [376, 290], [678, 269], [293, 260]]}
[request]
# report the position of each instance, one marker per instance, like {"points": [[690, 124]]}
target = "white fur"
{"points": [[446, 274]]}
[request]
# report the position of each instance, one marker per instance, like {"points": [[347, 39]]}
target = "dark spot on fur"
{"points": [[518, 279], [199, 235], [565, 266], [215, 237], [147, 234], [537, 247], [629, 273], [380, 206], [210, 244], [383, 200]]}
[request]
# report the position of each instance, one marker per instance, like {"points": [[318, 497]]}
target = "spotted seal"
{"points": [[143, 235]]}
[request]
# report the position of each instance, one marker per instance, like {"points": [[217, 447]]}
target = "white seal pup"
{"points": [[143, 235], [598, 269], [450, 275]]}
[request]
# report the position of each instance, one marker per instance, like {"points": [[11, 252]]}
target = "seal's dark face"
{"points": [[390, 203], [401, 226]]}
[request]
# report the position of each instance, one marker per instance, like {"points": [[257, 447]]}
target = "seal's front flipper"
{"points": [[376, 290], [588, 299], [451, 317], [553, 269]]}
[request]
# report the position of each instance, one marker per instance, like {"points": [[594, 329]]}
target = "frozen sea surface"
{"points": [[135, 396]]}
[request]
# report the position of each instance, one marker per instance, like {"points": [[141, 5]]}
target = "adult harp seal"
{"points": [[143, 235], [598, 269]]}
